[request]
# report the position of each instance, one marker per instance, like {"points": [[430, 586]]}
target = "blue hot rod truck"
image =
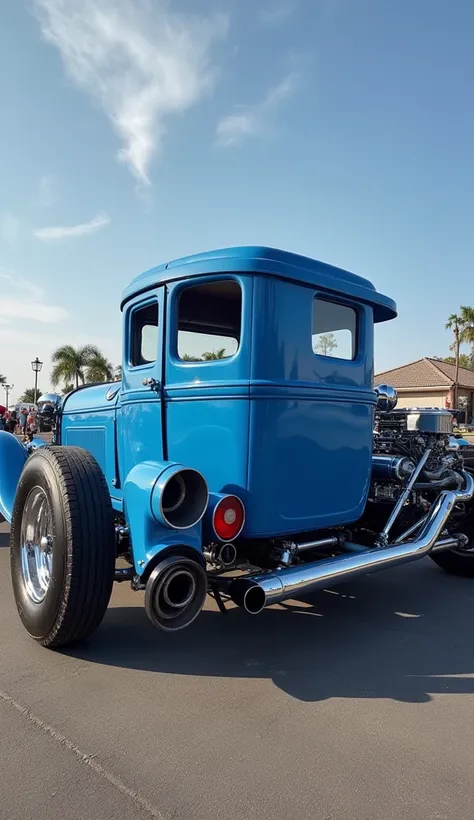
{"points": [[257, 473]]}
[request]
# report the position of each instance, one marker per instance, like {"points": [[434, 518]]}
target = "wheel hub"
{"points": [[36, 545]]}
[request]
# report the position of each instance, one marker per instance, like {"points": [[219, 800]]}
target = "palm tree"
{"points": [[71, 363], [467, 328], [3, 379], [454, 323], [215, 354], [465, 361], [99, 369]]}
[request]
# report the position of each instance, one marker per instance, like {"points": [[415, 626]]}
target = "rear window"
{"points": [[209, 321], [334, 331]]}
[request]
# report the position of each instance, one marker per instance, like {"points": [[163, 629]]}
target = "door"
{"points": [[140, 423]]}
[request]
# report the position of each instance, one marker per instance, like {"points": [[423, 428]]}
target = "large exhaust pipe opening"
{"points": [[249, 594], [175, 593], [263, 589], [254, 600], [183, 499]]}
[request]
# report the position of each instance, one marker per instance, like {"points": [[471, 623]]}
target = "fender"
{"points": [[13, 455], [154, 527]]}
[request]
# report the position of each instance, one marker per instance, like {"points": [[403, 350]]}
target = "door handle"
{"points": [[153, 383]]}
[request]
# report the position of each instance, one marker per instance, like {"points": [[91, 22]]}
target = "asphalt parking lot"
{"points": [[358, 704]]}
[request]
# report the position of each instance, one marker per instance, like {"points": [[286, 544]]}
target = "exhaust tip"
{"points": [[183, 499], [221, 555], [175, 593], [254, 600], [249, 595], [227, 555]]}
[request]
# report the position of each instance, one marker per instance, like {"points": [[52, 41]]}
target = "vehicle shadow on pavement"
{"points": [[404, 634], [4, 539]]}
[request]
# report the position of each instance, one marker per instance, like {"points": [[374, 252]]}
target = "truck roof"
{"points": [[269, 262]]}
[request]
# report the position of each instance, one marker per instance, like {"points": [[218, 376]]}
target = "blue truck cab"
{"points": [[270, 421], [233, 458]]}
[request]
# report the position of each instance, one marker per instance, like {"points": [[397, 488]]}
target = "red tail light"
{"points": [[228, 518]]}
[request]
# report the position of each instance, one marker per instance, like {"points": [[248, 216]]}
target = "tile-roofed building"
{"points": [[429, 382]]}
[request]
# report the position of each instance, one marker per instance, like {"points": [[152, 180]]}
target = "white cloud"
{"points": [[22, 299], [9, 227], [140, 60], [233, 129], [47, 191], [56, 234], [255, 120]]}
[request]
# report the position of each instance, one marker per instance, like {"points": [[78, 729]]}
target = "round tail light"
{"points": [[228, 518]]}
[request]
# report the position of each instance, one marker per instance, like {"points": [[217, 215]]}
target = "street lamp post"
{"points": [[7, 388], [36, 366]]}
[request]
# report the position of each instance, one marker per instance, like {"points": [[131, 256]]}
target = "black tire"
{"points": [[81, 520], [455, 563]]}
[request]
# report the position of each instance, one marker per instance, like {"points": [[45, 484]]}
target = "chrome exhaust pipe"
{"points": [[263, 589], [222, 555]]}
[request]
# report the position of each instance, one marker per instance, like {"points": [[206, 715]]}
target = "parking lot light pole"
{"points": [[36, 365], [7, 388]]}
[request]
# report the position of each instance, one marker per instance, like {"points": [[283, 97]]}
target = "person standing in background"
{"points": [[31, 421], [13, 421], [22, 421]]}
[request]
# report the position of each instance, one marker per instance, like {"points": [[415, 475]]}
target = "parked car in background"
{"points": [[47, 407]]}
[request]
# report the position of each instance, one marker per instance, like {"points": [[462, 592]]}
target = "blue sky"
{"points": [[136, 132]]}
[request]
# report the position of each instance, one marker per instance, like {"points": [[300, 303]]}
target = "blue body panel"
{"points": [[311, 417], [89, 420], [301, 451]]}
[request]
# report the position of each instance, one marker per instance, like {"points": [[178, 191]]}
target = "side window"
{"points": [[209, 321], [334, 329], [144, 335]]}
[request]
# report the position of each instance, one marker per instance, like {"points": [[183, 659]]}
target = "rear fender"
{"points": [[148, 535], [13, 455]]}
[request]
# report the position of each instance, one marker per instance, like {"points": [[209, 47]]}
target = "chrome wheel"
{"points": [[36, 545]]}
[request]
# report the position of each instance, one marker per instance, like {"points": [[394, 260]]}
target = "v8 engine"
{"points": [[415, 456], [402, 438]]}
